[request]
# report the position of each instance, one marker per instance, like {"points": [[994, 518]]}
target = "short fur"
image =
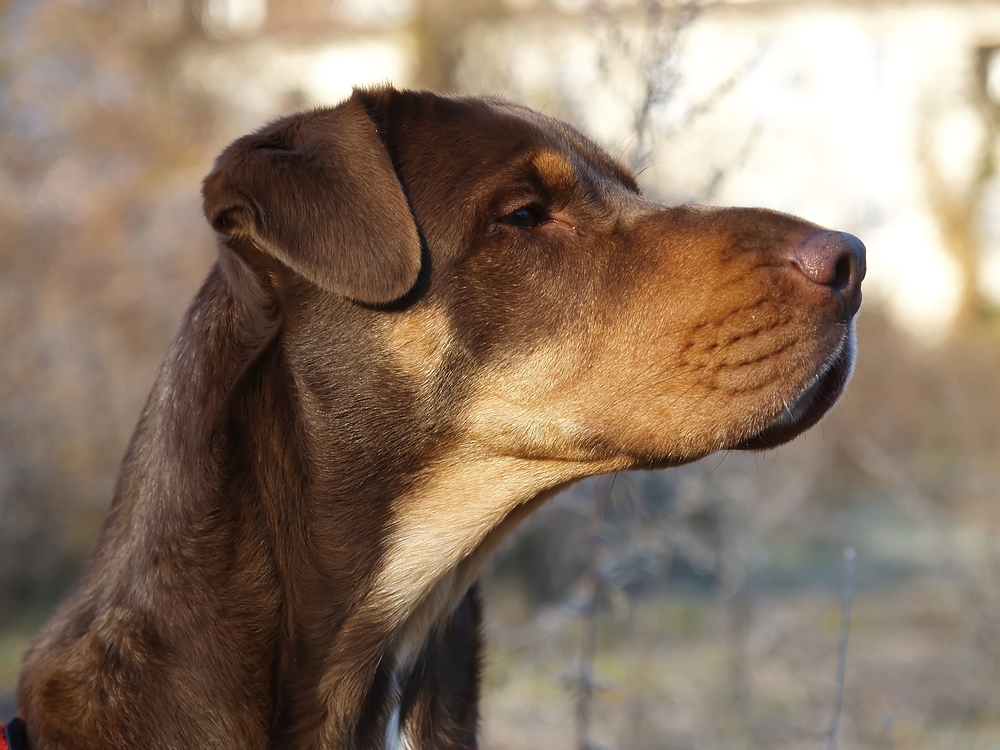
{"points": [[382, 375]]}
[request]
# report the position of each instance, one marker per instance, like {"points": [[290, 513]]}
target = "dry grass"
{"points": [[916, 678]]}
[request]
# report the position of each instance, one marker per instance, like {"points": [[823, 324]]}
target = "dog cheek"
{"points": [[419, 341]]}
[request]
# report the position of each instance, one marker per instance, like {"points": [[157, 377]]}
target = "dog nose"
{"points": [[835, 260]]}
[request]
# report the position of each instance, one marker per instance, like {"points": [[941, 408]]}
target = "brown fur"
{"points": [[380, 378]]}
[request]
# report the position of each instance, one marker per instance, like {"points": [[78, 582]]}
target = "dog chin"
{"points": [[813, 402]]}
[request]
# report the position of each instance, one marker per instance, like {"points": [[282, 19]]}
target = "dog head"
{"points": [[511, 277]]}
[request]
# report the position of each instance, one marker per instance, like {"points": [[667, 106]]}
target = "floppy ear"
{"points": [[318, 192]]}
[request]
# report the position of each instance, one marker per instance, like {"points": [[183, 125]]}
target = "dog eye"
{"points": [[526, 217]]}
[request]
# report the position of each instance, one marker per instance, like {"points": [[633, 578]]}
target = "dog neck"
{"points": [[312, 558], [394, 554]]}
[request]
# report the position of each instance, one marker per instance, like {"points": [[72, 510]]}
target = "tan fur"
{"points": [[418, 343]]}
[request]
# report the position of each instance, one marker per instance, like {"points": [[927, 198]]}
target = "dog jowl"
{"points": [[427, 315]]}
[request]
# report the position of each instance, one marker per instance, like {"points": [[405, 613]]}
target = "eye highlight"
{"points": [[526, 217]]}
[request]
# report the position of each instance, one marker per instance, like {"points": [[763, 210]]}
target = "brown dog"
{"points": [[428, 314]]}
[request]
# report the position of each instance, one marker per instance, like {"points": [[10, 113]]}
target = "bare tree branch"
{"points": [[845, 630]]}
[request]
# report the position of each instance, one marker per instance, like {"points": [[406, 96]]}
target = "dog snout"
{"points": [[835, 260]]}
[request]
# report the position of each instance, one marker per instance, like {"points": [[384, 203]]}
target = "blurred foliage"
{"points": [[102, 244]]}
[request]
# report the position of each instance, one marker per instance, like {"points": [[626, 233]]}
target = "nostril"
{"points": [[842, 273]]}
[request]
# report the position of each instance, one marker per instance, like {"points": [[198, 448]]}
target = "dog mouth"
{"points": [[812, 403]]}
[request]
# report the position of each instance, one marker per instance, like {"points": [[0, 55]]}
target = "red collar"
{"points": [[14, 735]]}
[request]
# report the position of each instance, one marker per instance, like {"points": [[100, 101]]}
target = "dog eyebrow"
{"points": [[561, 177], [554, 174], [593, 154], [553, 169], [596, 157], [553, 165]]}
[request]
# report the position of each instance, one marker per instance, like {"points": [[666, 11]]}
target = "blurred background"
{"points": [[698, 608]]}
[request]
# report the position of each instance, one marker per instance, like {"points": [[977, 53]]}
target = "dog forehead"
{"points": [[562, 138], [471, 136]]}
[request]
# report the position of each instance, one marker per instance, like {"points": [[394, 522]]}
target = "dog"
{"points": [[428, 315]]}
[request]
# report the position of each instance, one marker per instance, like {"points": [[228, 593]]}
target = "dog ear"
{"points": [[318, 192]]}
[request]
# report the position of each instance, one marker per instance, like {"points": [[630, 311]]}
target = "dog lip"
{"points": [[816, 399], [846, 306], [855, 305]]}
